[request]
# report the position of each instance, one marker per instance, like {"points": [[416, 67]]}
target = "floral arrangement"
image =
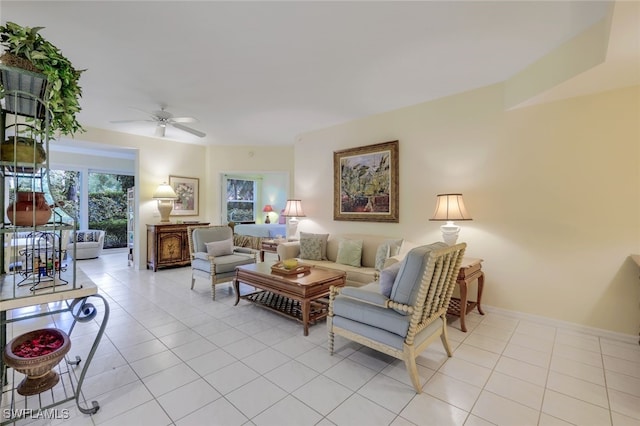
{"points": [[185, 195], [44, 343]]}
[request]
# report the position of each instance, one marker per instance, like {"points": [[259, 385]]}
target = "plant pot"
{"points": [[29, 209], [23, 90], [38, 369], [21, 149]]}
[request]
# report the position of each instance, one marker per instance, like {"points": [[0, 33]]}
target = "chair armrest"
{"points": [[367, 296], [201, 255], [288, 250]]}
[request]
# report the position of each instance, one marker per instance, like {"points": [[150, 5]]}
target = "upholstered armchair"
{"points": [[405, 314], [213, 255]]}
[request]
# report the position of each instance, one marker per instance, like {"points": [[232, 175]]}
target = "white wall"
{"points": [[554, 191]]}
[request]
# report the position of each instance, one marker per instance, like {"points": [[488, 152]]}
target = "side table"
{"points": [[470, 271], [268, 246]]}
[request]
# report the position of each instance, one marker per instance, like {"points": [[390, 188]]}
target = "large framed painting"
{"points": [[187, 190], [365, 183]]}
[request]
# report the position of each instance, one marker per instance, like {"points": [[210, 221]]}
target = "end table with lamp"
{"points": [[470, 271]]}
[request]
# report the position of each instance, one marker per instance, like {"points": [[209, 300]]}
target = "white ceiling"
{"points": [[260, 73]]}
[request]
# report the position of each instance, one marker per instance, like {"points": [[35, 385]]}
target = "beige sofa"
{"points": [[356, 276]]}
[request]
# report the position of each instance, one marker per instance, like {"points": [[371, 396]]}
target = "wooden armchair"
{"points": [[411, 317], [213, 255]]}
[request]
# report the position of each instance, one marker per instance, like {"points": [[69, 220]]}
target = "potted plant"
{"points": [[26, 48]]}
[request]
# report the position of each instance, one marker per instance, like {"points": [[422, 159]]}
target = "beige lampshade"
{"points": [[165, 192], [293, 208], [450, 207]]}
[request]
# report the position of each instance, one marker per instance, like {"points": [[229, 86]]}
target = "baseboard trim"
{"points": [[597, 332]]}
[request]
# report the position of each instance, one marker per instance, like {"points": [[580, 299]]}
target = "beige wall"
{"points": [[554, 191]]}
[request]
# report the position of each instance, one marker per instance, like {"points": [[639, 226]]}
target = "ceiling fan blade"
{"points": [[189, 130], [150, 114], [130, 121], [183, 119]]}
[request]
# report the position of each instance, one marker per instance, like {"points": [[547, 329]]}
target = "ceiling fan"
{"points": [[164, 118]]}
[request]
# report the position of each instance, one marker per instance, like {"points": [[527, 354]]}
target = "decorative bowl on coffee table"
{"points": [[34, 354]]}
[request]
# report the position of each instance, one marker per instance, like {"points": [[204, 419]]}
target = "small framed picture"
{"points": [[187, 190]]}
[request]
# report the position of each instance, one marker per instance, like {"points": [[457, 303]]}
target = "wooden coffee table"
{"points": [[296, 296]]}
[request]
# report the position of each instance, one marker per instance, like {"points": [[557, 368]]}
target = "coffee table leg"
{"points": [[306, 307], [236, 287]]}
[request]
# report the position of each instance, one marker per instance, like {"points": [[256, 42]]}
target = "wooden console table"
{"points": [[470, 271], [168, 244]]}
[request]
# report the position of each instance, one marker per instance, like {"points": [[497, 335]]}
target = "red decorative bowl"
{"points": [[34, 354]]}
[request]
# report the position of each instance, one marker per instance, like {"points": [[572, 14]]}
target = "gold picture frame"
{"points": [[365, 183], [187, 190]]}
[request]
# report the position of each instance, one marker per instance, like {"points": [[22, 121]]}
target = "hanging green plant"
{"points": [[27, 49]]}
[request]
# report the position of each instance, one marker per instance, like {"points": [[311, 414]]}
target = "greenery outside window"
{"points": [[241, 200]]}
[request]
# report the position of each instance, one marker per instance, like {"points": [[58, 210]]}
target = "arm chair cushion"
{"points": [[368, 293], [388, 277], [203, 235], [220, 248], [374, 316], [222, 264], [407, 284]]}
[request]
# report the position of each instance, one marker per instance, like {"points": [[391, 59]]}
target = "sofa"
{"points": [[376, 252], [89, 244]]}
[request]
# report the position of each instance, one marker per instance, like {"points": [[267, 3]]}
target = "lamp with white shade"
{"points": [[165, 196], [293, 210], [450, 207]]}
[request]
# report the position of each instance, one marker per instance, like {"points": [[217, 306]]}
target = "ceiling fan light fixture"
{"points": [[164, 118], [161, 129]]}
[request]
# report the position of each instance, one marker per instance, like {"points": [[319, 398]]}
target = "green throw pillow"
{"points": [[350, 253], [313, 246]]}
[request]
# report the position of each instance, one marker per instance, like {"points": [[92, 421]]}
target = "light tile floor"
{"points": [[172, 356]]}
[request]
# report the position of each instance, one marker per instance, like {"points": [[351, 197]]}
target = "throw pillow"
{"points": [[387, 278], [385, 250], [220, 248], [313, 246], [350, 253]]}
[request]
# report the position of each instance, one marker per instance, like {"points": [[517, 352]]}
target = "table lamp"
{"points": [[293, 210], [267, 209], [165, 196], [450, 207]]}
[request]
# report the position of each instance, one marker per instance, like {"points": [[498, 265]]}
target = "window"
{"points": [[241, 200]]}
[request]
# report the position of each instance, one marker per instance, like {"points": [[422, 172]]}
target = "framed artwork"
{"points": [[365, 183], [187, 190]]}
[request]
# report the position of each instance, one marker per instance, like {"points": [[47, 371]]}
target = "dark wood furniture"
{"points": [[470, 271], [168, 245], [297, 296], [268, 246]]}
